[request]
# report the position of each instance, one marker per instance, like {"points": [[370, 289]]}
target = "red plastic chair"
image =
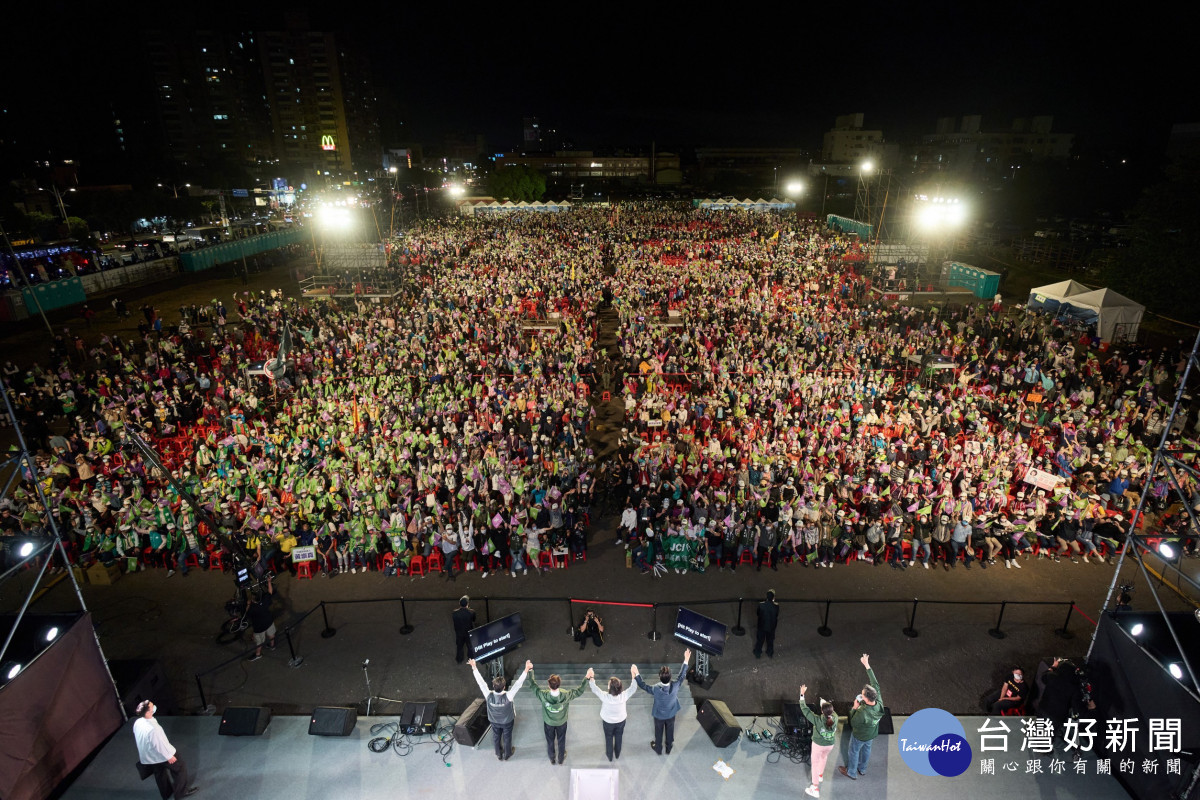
{"points": [[417, 566], [304, 570]]}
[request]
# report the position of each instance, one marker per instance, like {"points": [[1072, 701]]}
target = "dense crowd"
{"points": [[775, 412]]}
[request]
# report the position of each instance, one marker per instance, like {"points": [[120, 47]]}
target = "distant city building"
{"points": [[584, 165], [849, 143], [969, 150], [537, 138], [270, 101]]}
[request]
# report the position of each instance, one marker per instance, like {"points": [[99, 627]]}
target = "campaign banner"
{"points": [[300, 554], [1042, 479]]}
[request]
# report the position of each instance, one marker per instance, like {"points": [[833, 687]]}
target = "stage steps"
{"points": [[572, 674]]}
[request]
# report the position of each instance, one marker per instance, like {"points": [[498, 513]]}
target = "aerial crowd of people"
{"points": [[775, 409]]}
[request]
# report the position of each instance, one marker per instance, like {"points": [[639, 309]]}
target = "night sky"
{"points": [[748, 75]]}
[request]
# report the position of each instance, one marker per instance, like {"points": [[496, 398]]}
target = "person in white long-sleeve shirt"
{"points": [[612, 711], [154, 750]]}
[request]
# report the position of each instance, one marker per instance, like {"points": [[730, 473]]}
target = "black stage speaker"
{"points": [[332, 721], [718, 723], [472, 724], [418, 717], [244, 721], [885, 722], [794, 723]]}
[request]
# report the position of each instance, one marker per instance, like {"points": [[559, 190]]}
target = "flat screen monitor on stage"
{"points": [[496, 638], [702, 632]]}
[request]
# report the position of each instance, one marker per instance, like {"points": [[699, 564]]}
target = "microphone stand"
{"points": [[367, 678]]}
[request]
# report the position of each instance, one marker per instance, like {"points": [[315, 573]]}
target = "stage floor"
{"points": [[288, 763]]}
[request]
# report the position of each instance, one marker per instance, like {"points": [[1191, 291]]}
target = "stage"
{"points": [[285, 762]]}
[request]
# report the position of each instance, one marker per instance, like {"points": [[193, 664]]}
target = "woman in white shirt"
{"points": [[612, 712]]}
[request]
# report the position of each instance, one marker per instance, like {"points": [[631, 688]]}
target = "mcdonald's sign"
{"points": [[327, 143]]}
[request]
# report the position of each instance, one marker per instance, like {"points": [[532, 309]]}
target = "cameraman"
{"points": [[1064, 692], [259, 611], [591, 627]]}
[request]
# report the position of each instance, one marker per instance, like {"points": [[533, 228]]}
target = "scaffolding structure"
{"points": [[1166, 549], [39, 555]]}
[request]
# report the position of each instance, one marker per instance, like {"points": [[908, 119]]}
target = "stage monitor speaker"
{"points": [[472, 724], [418, 718], [332, 721], [718, 723], [244, 721], [794, 723], [886, 727]]}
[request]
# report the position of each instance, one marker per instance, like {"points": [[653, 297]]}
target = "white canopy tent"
{"points": [[1114, 316]]}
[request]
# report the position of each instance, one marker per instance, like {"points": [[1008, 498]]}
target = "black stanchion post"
{"points": [[570, 618], [911, 631], [995, 632], [1064, 633], [200, 686], [328, 632], [405, 629], [824, 629], [738, 630], [295, 661], [653, 634]]}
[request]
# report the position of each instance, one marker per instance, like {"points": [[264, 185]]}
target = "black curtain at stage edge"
{"points": [[1129, 684], [54, 713]]}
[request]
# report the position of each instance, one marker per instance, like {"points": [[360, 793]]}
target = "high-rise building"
{"points": [[211, 102], [294, 100]]}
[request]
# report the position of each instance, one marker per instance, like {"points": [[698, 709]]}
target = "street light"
{"points": [[175, 188]]}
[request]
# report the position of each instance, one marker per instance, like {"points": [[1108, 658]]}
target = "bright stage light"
{"points": [[1166, 550], [334, 216], [794, 188], [52, 634], [26, 549], [1137, 629], [867, 166], [12, 672], [1175, 671]]}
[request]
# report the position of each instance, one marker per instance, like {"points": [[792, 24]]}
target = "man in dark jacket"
{"points": [[768, 619], [666, 703], [464, 620]]}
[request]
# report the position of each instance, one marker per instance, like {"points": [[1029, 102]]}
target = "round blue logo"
{"points": [[933, 742]]}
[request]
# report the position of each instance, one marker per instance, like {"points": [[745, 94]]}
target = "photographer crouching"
{"points": [[592, 627]]}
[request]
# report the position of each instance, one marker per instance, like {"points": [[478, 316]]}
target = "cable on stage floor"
{"points": [[388, 735], [780, 745]]}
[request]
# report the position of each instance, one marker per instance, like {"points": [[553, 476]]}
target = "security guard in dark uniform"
{"points": [[768, 619], [464, 621]]}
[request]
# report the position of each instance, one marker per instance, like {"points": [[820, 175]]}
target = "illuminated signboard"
{"points": [[327, 143]]}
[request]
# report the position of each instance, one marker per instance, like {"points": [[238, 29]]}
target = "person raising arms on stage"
{"points": [[824, 736], [500, 707], [554, 703], [666, 703], [612, 712], [864, 719]]}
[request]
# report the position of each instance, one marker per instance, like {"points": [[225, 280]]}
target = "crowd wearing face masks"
{"points": [[774, 412]]}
